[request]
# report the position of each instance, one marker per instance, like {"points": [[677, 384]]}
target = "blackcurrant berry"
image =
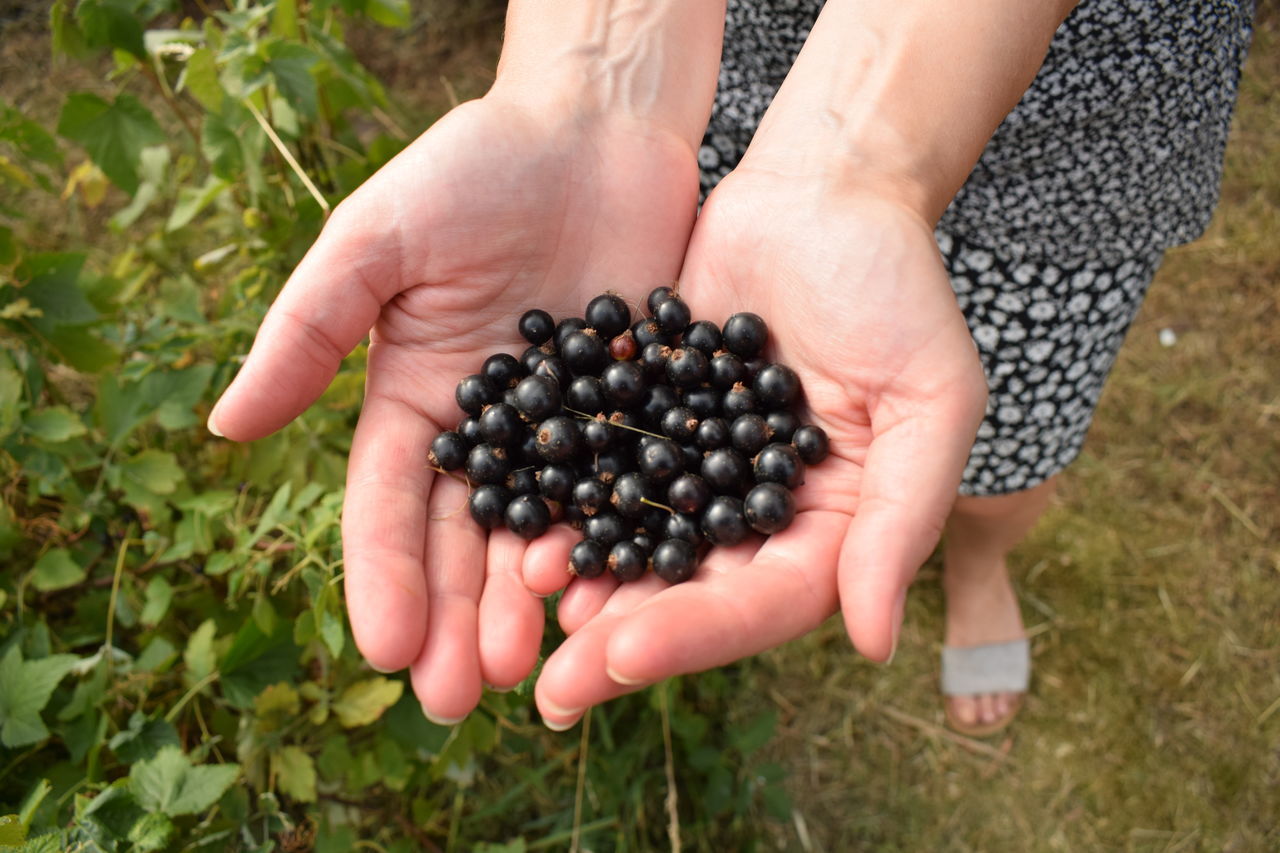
{"points": [[614, 462], [448, 451], [623, 382], [586, 559], [586, 395], [680, 424], [687, 367], [705, 401], [672, 315], [654, 359], [558, 438], [769, 508], [606, 528], [474, 393], [629, 495], [537, 397], [660, 460], [469, 429], [523, 481], [726, 471], [749, 434], [567, 327], [745, 335], [779, 463], [723, 522], [584, 352], [784, 425], [532, 357], [488, 505], [608, 314], [527, 516], [655, 402], [503, 370], [689, 493], [811, 443], [597, 434], [712, 433], [726, 369], [553, 367], [675, 560], [777, 386], [703, 335], [487, 465], [627, 561], [657, 296], [555, 482], [738, 401], [502, 426], [623, 347], [686, 527], [647, 332], [591, 495], [536, 326]]}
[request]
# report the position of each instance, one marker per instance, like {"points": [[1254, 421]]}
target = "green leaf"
{"points": [[31, 140], [151, 833], [111, 24], [57, 569], [201, 79], [54, 425], [12, 831], [284, 19], [290, 63], [114, 133], [295, 773], [53, 286], [159, 596], [10, 398], [389, 13], [365, 701], [144, 738], [157, 471], [200, 657], [192, 200], [170, 784], [25, 688]]}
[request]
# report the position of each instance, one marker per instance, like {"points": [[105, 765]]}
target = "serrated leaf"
{"points": [[289, 64], [25, 688], [170, 784], [275, 706], [111, 24], [200, 657], [113, 133], [295, 774], [56, 569], [55, 424], [365, 701], [157, 471], [151, 833], [143, 739]]}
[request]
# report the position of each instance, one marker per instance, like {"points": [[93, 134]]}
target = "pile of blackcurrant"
{"points": [[655, 438]]}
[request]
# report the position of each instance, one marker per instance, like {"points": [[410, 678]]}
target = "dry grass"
{"points": [[1152, 588]]}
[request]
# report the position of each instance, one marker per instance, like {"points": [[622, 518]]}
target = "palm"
{"points": [[488, 214], [860, 307]]}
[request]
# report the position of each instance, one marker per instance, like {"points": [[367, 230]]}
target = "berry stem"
{"points": [[658, 505]]}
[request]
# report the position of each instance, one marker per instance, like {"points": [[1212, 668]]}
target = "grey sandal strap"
{"points": [[996, 668]]}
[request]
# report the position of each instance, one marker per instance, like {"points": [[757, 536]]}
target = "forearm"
{"points": [[654, 61], [901, 96]]}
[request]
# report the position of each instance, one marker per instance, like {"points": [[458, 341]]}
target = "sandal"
{"points": [[976, 670]]}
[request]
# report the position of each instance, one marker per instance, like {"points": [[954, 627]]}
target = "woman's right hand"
{"points": [[498, 208]]}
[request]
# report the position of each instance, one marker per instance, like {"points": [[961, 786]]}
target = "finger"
{"points": [[546, 562], [908, 486], [584, 598], [324, 310], [511, 617], [785, 591], [384, 521], [446, 675]]}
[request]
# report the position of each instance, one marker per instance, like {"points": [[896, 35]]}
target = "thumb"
{"points": [[908, 487], [324, 310]]}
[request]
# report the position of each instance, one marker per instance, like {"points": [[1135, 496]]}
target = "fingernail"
{"points": [[376, 668], [560, 727], [442, 721], [213, 426], [899, 610], [556, 711], [496, 689], [621, 679]]}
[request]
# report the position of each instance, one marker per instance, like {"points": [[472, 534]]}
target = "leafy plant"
{"points": [[176, 671]]}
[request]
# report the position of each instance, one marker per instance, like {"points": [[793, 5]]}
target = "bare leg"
{"points": [[981, 605]]}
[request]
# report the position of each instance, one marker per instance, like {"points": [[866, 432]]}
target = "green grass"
{"points": [[1152, 589]]}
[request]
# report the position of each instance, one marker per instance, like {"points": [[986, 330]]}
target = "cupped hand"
{"points": [[859, 305], [493, 211]]}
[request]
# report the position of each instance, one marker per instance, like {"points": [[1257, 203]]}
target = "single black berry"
{"points": [[727, 471], [567, 327], [558, 438], [745, 335], [689, 493], [657, 296], [687, 367], [532, 357], [672, 315], [585, 352], [623, 382], [655, 402], [686, 527], [629, 495], [556, 481], [537, 397], [644, 542], [777, 386], [614, 462], [627, 561], [647, 332], [469, 429], [654, 359], [784, 425], [726, 369], [712, 433], [679, 423], [738, 401], [606, 528], [749, 434], [591, 495], [608, 314], [586, 559], [502, 426], [675, 560], [660, 460], [586, 395], [527, 516], [488, 505], [703, 335], [536, 326], [487, 465], [769, 508], [554, 368], [779, 463], [597, 434], [448, 451], [503, 370], [723, 522], [811, 443], [704, 400], [523, 481], [474, 393]]}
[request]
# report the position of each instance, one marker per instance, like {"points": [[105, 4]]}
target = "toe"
{"points": [[964, 709]]}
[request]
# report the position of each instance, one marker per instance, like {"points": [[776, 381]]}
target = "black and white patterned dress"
{"points": [[1113, 155]]}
